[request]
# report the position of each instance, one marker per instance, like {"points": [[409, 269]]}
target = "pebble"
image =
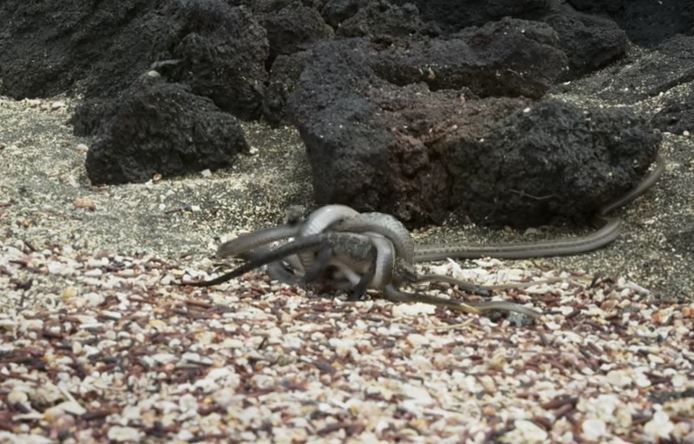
{"points": [[59, 268], [185, 435], [412, 310], [418, 394], [679, 380], [195, 358], [164, 358], [593, 429], [94, 299], [94, 272], [343, 347], [17, 397], [527, 432], [659, 426], [618, 378], [94, 262], [84, 202], [7, 324], [123, 434]]}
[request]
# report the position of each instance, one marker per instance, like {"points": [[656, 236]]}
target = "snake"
{"points": [[392, 243]]}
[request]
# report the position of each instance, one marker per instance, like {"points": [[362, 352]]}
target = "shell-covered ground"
{"points": [[99, 342]]}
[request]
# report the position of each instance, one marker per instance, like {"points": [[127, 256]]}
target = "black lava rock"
{"points": [[48, 47], [158, 127], [420, 153]]}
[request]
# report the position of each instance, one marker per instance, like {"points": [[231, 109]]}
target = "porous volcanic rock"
{"points": [[284, 76], [336, 11], [159, 127], [453, 15], [509, 57], [90, 115], [548, 160], [589, 41], [381, 18], [419, 154], [221, 53], [48, 47], [646, 22], [294, 27], [677, 116]]}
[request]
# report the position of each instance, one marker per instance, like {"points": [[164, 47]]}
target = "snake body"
{"points": [[375, 250]]}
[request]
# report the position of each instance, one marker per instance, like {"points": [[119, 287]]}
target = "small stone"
{"points": [[489, 410], [498, 361], [417, 340], [62, 425], [164, 358], [226, 397], [528, 432], [188, 403], [58, 104], [68, 293], [618, 378], [662, 317], [17, 397], [195, 358], [605, 406], [94, 299], [82, 148], [84, 202], [58, 268], [679, 380], [593, 429], [659, 426], [685, 133], [488, 384], [343, 347], [33, 324], [94, 272], [7, 324], [185, 435], [206, 173], [552, 325], [122, 434], [418, 309], [418, 394], [642, 380], [97, 262], [71, 407]]}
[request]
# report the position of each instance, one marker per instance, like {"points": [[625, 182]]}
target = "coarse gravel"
{"points": [[99, 343]]}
